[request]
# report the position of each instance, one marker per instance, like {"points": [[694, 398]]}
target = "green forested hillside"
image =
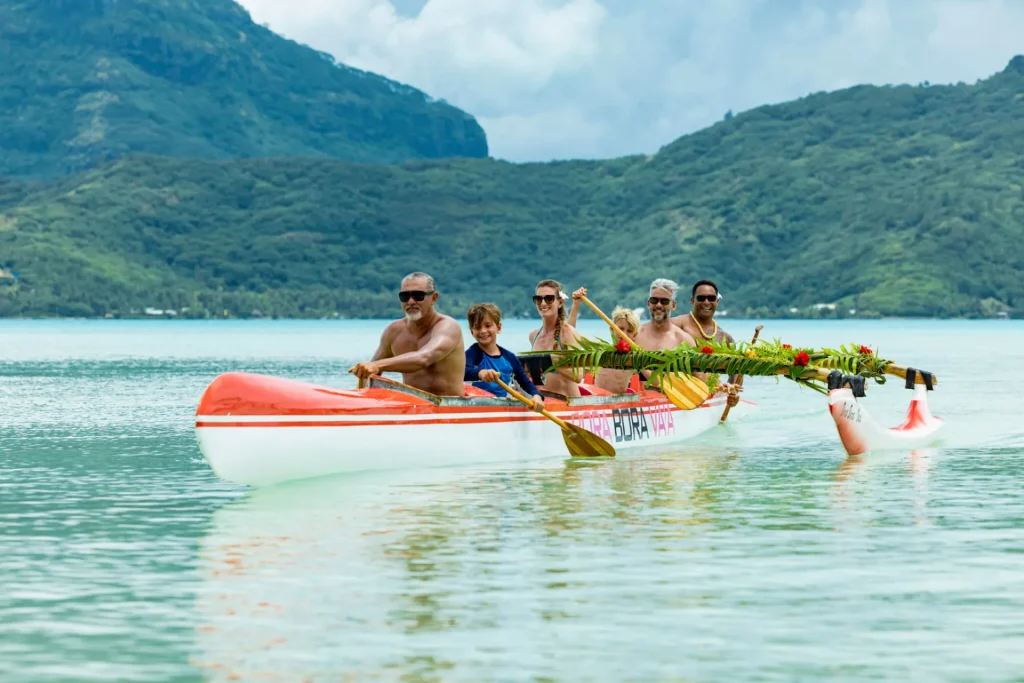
{"points": [[886, 200], [85, 81]]}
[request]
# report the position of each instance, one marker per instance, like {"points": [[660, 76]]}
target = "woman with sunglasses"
{"points": [[555, 334]]}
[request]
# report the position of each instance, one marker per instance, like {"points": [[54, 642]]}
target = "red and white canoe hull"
{"points": [[260, 430], [860, 433]]}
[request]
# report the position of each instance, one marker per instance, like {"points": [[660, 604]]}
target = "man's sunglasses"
{"points": [[547, 298], [415, 295], [706, 297], [659, 300]]}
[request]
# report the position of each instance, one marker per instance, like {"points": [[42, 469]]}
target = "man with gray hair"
{"points": [[659, 333], [425, 346]]}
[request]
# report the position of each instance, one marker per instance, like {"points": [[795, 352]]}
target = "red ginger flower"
{"points": [[801, 358], [706, 349], [787, 346], [623, 346], [865, 350]]}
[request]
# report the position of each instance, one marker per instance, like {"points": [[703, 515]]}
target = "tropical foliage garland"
{"points": [[802, 365]]}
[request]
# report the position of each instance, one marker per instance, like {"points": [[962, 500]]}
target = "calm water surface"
{"points": [[759, 552]]}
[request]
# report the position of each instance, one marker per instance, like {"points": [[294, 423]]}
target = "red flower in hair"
{"points": [[787, 346], [706, 349], [623, 346], [865, 350], [801, 358]]}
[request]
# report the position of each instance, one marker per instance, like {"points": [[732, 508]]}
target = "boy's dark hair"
{"points": [[703, 282], [476, 313]]}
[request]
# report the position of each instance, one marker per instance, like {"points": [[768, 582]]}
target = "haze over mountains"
{"points": [[155, 157]]}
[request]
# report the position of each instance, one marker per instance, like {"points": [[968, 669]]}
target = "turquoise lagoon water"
{"points": [[758, 552]]}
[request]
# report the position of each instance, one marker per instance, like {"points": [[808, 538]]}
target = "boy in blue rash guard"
{"points": [[486, 361]]}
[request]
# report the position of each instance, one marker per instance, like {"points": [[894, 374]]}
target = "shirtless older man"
{"points": [[425, 346], [659, 333]]}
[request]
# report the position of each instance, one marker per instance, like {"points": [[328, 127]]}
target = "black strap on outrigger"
{"points": [[837, 380], [536, 365], [926, 376]]}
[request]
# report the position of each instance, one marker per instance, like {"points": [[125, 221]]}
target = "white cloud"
{"points": [[599, 78]]}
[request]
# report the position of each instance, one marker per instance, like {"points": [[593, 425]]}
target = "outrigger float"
{"points": [[860, 433], [260, 430]]}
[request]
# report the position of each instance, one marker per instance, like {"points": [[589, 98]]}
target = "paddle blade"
{"points": [[685, 392], [584, 444]]}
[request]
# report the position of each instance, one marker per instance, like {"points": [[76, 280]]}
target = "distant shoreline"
{"points": [[723, 321]]}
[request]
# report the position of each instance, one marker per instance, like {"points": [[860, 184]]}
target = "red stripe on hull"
{"points": [[371, 423]]}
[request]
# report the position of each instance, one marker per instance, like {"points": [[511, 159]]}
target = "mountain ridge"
{"points": [[881, 200], [86, 81]]}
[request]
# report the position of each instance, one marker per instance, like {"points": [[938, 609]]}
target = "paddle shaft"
{"points": [[519, 397], [739, 378], [608, 320]]}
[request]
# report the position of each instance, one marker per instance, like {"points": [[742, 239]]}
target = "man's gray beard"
{"points": [[413, 316], [662, 319]]}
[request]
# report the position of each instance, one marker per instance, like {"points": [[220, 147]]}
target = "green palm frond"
{"points": [[762, 359]]}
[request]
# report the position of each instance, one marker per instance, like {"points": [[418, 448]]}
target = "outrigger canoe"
{"points": [[861, 433], [260, 430]]}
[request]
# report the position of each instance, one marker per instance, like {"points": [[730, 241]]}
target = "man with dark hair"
{"points": [[700, 322], [425, 346]]}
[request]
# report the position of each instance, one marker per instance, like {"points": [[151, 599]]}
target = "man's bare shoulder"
{"points": [[395, 328], [449, 325], [685, 337], [445, 327]]}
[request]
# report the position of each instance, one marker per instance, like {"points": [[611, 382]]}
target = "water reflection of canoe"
{"points": [[260, 430], [409, 572], [860, 433]]}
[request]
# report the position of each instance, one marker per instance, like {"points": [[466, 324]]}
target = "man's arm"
{"points": [[731, 342], [384, 348], [443, 340]]}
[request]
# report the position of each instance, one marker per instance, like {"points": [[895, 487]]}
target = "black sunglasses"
{"points": [[706, 297], [547, 298], [659, 300], [415, 295]]}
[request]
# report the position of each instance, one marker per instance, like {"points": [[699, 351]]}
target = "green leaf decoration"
{"points": [[766, 358]]}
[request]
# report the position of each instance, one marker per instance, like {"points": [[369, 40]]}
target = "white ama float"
{"points": [[860, 433], [260, 430]]}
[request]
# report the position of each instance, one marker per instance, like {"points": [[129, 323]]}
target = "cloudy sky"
{"points": [[555, 79]]}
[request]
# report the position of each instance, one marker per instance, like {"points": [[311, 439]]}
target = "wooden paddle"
{"points": [[739, 378], [580, 442], [685, 393]]}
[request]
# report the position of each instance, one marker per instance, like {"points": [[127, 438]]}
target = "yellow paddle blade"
{"points": [[685, 392], [584, 444]]}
